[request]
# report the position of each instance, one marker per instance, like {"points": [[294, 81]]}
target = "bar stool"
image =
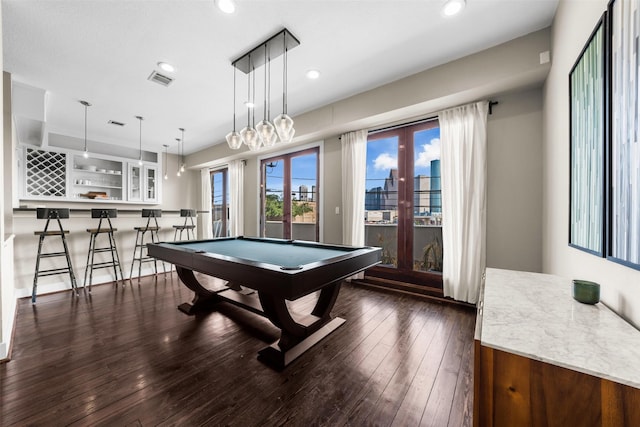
{"points": [[187, 214], [152, 229], [49, 214], [94, 233]]}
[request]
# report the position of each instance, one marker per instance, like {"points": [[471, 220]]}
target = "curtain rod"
{"points": [[416, 122]]}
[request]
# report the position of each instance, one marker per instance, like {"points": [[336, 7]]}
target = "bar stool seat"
{"points": [[55, 214], [112, 248], [188, 215], [140, 246]]}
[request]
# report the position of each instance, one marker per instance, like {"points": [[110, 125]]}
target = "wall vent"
{"points": [[160, 78], [113, 122]]}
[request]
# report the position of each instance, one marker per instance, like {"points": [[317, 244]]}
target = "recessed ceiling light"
{"points": [[452, 7], [166, 67], [227, 6], [313, 74]]}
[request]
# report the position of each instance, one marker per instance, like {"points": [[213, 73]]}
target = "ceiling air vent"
{"points": [[113, 122], [160, 78]]}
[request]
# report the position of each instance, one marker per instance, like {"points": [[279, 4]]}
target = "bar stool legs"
{"points": [[49, 214], [140, 246], [112, 248]]}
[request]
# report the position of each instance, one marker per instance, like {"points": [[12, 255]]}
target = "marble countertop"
{"points": [[534, 315]]}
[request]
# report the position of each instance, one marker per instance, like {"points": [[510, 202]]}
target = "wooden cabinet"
{"points": [[552, 387]]}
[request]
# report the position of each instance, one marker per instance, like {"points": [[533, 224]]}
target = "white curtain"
{"points": [[354, 165], [463, 137], [204, 219], [236, 204]]}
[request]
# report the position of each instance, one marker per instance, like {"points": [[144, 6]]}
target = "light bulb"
{"points": [[234, 140], [182, 167], [85, 154], [226, 6], [140, 162], [284, 127], [267, 133], [251, 138], [166, 176], [178, 173]]}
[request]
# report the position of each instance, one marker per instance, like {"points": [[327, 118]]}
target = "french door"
{"points": [[290, 186], [403, 213], [219, 202]]}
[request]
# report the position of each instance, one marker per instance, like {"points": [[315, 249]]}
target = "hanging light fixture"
{"points": [[178, 159], [182, 165], [140, 155], [86, 104], [166, 153], [265, 133], [233, 138], [284, 123], [265, 130], [249, 135]]}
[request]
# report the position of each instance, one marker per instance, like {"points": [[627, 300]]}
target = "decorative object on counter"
{"points": [[86, 104], [140, 118], [262, 134], [57, 215], [586, 292], [95, 195]]}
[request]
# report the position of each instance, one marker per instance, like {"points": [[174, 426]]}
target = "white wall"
{"points": [[514, 182], [620, 286]]}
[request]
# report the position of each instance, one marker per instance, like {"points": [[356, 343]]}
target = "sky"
{"points": [[382, 156]]}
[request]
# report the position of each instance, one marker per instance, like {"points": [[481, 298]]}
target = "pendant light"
{"points": [[249, 134], [233, 138], [182, 165], [166, 175], [284, 123], [140, 155], [178, 159], [86, 104], [265, 130]]}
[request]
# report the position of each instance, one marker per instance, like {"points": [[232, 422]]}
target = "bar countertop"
{"points": [[534, 315]]}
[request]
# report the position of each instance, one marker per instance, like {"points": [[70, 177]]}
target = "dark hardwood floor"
{"points": [[126, 356]]}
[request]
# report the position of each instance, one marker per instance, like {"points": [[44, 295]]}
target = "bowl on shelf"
{"points": [[586, 292]]}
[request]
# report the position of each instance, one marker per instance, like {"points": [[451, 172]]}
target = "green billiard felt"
{"points": [[283, 254]]}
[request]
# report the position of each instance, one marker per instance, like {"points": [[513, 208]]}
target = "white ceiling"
{"points": [[103, 51]]}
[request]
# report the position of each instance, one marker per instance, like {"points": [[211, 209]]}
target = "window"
{"points": [[403, 212]]}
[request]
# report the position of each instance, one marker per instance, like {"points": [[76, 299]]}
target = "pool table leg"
{"points": [[203, 300], [296, 337]]}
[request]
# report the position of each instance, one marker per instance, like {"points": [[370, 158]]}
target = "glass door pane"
{"points": [[273, 204], [151, 190], [304, 199], [427, 207], [381, 198], [219, 204], [135, 183]]}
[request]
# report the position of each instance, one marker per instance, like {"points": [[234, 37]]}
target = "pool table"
{"points": [[262, 275]]}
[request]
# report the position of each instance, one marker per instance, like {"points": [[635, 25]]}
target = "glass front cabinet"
{"points": [[69, 176], [143, 180]]}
